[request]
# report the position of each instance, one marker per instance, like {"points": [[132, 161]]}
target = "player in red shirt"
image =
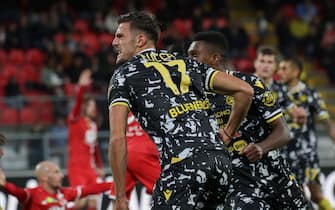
{"points": [[143, 160], [85, 164], [49, 194]]}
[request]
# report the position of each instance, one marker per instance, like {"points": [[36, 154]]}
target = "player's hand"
{"points": [[2, 178], [100, 172], [120, 204], [226, 140], [299, 115], [253, 152], [85, 77]]}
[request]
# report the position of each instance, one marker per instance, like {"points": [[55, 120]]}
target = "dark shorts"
{"points": [[242, 201], [305, 166], [198, 182], [265, 184]]}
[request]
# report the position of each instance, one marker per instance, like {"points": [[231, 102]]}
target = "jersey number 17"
{"points": [[165, 73]]}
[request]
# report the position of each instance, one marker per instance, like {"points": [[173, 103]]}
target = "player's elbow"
{"points": [[247, 91]]}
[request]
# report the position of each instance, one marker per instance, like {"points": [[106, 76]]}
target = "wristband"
{"points": [[225, 132]]}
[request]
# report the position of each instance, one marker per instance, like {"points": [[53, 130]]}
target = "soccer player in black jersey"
{"points": [[261, 178], [166, 93], [301, 152], [266, 64]]}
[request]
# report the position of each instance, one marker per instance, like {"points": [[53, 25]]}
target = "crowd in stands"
{"points": [[42, 52]]}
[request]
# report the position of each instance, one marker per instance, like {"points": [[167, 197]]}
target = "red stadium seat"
{"points": [[106, 38], [59, 38], [252, 53], [81, 26], [8, 116], [16, 56], [46, 115], [34, 57], [70, 89], [43, 108], [289, 11], [30, 73], [3, 82], [28, 115], [3, 105], [8, 71], [91, 43], [207, 23], [221, 22], [183, 26], [3, 57], [244, 65]]}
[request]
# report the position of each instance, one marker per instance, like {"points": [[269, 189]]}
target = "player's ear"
{"points": [[216, 58], [213, 59], [296, 73], [141, 40]]}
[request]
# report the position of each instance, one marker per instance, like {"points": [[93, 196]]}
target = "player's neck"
{"points": [[267, 80], [47, 188], [145, 48], [293, 83], [221, 67]]}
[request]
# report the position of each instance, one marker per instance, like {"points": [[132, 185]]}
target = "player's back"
{"points": [[263, 109], [166, 94]]}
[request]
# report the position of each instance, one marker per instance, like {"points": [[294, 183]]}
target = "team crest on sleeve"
{"points": [[268, 98], [230, 100], [275, 95], [259, 84]]}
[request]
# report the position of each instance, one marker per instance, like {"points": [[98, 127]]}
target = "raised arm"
{"points": [[84, 81], [242, 92], [95, 188], [20, 193], [74, 193]]}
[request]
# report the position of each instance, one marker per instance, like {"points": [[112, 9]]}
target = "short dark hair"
{"points": [[295, 62], [216, 39], [143, 21], [267, 50]]}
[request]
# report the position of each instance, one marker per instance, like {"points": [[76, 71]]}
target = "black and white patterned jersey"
{"points": [[301, 152], [166, 94], [263, 109], [269, 177], [280, 93], [309, 99]]}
